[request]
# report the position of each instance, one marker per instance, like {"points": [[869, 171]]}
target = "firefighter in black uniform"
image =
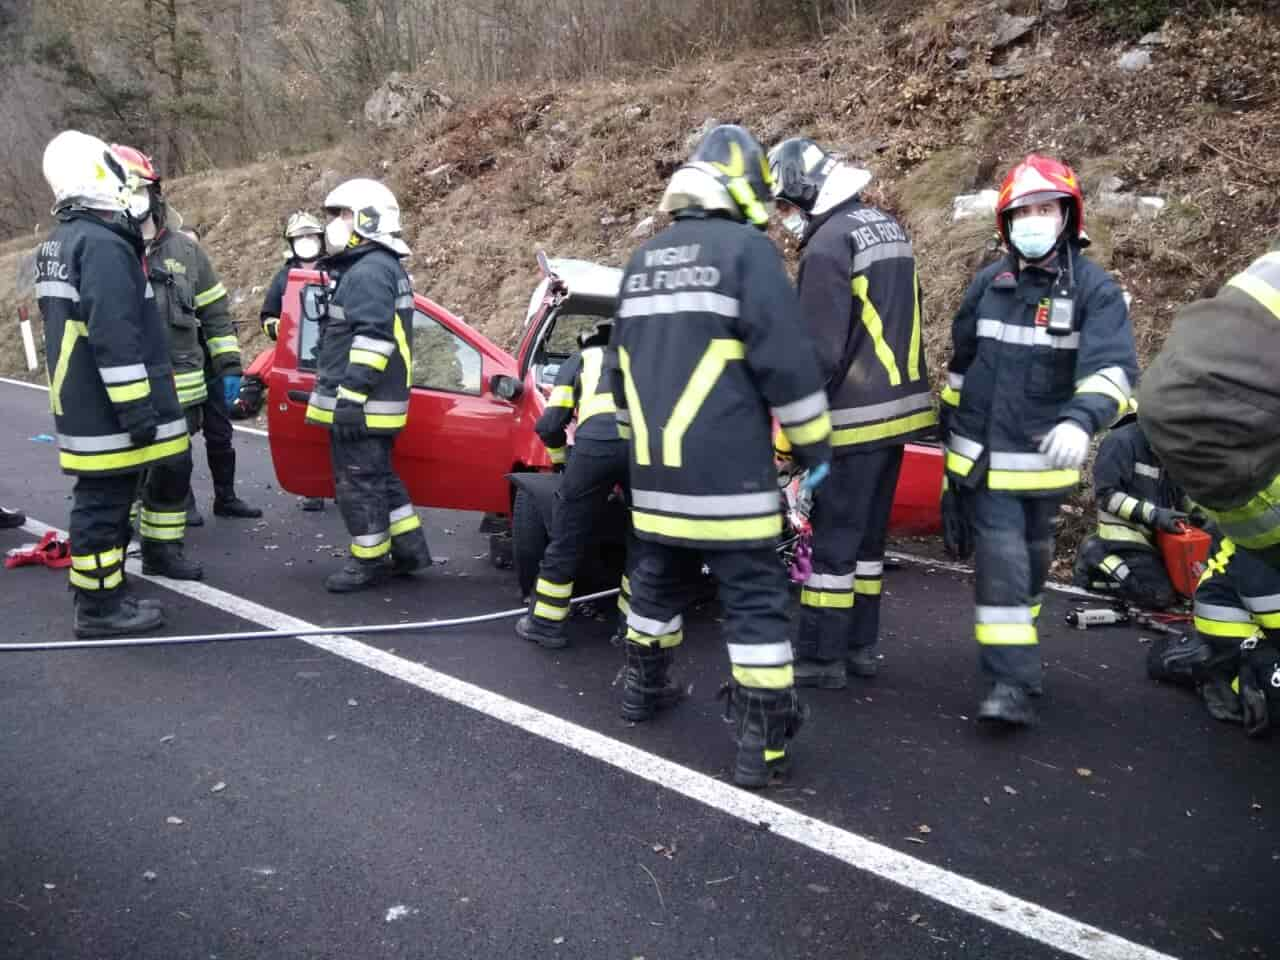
{"points": [[707, 343], [364, 367], [599, 463], [860, 300], [110, 381], [1042, 359], [1135, 499], [304, 235]]}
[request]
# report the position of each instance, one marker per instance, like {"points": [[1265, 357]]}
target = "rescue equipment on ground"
{"points": [[1082, 618], [1185, 556], [50, 551]]}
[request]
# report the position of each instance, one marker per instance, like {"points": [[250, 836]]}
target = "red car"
{"points": [[470, 443]]}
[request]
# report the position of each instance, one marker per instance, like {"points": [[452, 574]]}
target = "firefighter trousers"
{"points": [[99, 531], [374, 502], [217, 437], [1133, 574], [753, 593], [594, 469], [1013, 551], [163, 517], [840, 602]]}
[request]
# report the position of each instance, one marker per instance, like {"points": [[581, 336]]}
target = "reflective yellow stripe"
{"points": [[771, 755], [811, 431], [1128, 507], [167, 518], [96, 561], [94, 462], [701, 382], [405, 354], [399, 527], [1006, 634], [216, 292], [380, 421], [594, 401], [370, 553], [1270, 621], [875, 328], [823, 599], [72, 331], [1225, 628], [1256, 524], [345, 393], [950, 396], [623, 606], [765, 678], [1097, 383], [665, 641], [890, 428], [558, 591], [868, 588], [958, 464], [548, 612], [913, 352], [78, 579], [150, 532], [1114, 531], [1035, 611], [1259, 289], [561, 396], [1032, 479], [624, 431], [626, 584], [682, 528], [220, 345], [639, 429], [318, 415], [368, 358], [557, 454], [130, 391]]}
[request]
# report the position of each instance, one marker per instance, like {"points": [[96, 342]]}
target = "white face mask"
{"points": [[307, 248], [1035, 236], [139, 204], [795, 223], [337, 235]]}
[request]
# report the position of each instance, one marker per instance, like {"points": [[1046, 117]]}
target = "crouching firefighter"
{"points": [[707, 342], [860, 301], [363, 371], [599, 463], [111, 384], [1042, 359], [1135, 499]]}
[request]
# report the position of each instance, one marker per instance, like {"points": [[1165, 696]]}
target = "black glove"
{"points": [[195, 418], [1169, 520], [1259, 687], [348, 421], [957, 520], [139, 421]]}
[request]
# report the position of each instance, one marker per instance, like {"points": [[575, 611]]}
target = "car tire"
{"points": [[529, 539]]}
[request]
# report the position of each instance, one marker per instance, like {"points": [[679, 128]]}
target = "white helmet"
{"points": [[82, 171], [377, 214]]}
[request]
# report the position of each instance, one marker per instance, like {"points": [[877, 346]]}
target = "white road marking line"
{"points": [[959, 892], [40, 386]]}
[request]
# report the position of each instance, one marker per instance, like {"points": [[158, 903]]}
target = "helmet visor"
{"points": [[1040, 196]]}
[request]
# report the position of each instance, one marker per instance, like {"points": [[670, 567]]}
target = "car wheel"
{"points": [[529, 540]]}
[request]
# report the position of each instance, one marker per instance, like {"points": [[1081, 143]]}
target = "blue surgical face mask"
{"points": [[1034, 237]]}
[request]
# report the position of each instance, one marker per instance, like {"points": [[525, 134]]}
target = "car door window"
{"points": [[313, 307], [442, 360]]}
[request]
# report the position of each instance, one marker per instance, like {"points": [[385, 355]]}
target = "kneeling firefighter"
{"points": [[110, 381], [706, 343], [598, 464], [364, 367], [1042, 359], [1135, 498]]}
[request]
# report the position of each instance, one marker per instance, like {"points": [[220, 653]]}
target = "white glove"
{"points": [[1066, 446]]}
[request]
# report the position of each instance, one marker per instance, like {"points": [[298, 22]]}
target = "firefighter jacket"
{"points": [[707, 344], [579, 391], [193, 301], [860, 300], [1210, 404], [1130, 485], [1011, 380], [106, 350], [364, 351]]}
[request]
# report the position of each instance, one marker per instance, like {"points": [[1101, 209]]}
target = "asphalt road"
{"points": [[278, 799]]}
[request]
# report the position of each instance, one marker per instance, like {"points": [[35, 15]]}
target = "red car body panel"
{"points": [[458, 449]]}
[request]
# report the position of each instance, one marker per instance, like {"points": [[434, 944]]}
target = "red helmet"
{"points": [[136, 163], [1035, 180]]}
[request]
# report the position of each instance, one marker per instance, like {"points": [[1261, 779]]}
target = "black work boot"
{"points": [[194, 518], [542, 632], [114, 616], [1008, 704], [358, 575], [863, 662], [165, 558], [10, 519], [765, 721], [227, 504], [409, 554], [828, 674], [646, 684]]}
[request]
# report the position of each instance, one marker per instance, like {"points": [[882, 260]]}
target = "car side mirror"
{"points": [[506, 387]]}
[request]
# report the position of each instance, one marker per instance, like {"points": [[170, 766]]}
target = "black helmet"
{"points": [[736, 159], [596, 335], [808, 177]]}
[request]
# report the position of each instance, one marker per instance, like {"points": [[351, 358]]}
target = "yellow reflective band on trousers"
{"points": [[98, 561], [845, 436], [701, 382], [546, 611], [109, 582], [129, 392], [220, 345], [771, 755], [639, 430], [1006, 634], [124, 459], [1031, 479], [366, 552], [765, 678], [875, 329], [720, 531], [868, 586], [72, 331], [663, 641], [399, 527], [1256, 524], [827, 600], [593, 401], [558, 591], [166, 525]]}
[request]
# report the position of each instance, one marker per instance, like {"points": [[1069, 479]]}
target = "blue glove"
{"points": [[814, 478], [231, 388]]}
